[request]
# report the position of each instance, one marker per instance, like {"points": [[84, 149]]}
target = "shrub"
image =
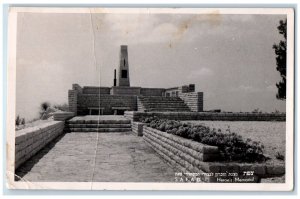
{"points": [[45, 110], [279, 156], [232, 146], [257, 110], [18, 120], [45, 106], [62, 107]]}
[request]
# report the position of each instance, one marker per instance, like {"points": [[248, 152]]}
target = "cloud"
{"points": [[128, 28], [160, 34], [156, 28], [246, 88], [202, 72], [144, 28]]}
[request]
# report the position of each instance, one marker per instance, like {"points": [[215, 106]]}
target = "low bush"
{"points": [[19, 121], [62, 107], [279, 156], [232, 146]]}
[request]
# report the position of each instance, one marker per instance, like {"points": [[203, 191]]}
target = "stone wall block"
{"points": [[30, 140]]}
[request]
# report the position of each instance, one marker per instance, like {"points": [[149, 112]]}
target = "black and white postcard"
{"points": [[150, 98]]}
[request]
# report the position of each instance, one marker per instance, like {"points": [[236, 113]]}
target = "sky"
{"points": [[228, 57]]}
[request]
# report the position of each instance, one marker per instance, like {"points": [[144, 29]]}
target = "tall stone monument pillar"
{"points": [[123, 68]]}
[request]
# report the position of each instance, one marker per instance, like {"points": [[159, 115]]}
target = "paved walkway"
{"points": [[97, 157]]}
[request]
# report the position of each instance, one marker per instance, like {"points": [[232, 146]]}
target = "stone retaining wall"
{"points": [[30, 140], [189, 150], [73, 97], [193, 100], [135, 116], [62, 116], [152, 91], [125, 90], [106, 102], [192, 157], [72, 100], [95, 90], [137, 128]]}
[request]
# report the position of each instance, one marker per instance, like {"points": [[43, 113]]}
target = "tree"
{"points": [[44, 108], [280, 51], [18, 120]]}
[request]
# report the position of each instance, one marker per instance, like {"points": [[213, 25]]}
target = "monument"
{"points": [[123, 79], [121, 97]]}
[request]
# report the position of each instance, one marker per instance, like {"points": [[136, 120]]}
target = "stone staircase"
{"points": [[98, 124], [161, 104]]}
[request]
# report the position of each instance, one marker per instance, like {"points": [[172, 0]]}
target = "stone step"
{"points": [[98, 130], [98, 122], [166, 106], [165, 103], [159, 98], [168, 109], [99, 125]]}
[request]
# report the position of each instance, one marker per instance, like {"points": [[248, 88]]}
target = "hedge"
{"points": [[231, 145]]}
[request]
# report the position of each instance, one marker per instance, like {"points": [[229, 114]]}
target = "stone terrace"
{"points": [[96, 157]]}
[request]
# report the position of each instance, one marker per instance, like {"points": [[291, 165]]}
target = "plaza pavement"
{"points": [[96, 157]]}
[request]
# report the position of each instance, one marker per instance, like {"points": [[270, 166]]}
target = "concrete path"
{"points": [[97, 157]]}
